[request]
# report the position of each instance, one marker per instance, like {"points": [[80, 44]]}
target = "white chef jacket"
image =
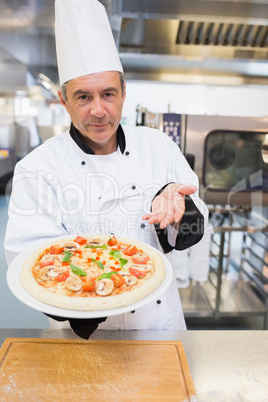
{"points": [[57, 192]]}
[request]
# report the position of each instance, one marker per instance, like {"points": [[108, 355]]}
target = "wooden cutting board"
{"points": [[94, 370]]}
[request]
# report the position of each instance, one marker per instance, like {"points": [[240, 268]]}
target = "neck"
{"points": [[118, 141], [102, 149]]}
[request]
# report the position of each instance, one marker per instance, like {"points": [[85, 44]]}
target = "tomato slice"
{"points": [[118, 280], [62, 276], [56, 249], [138, 272], [140, 258], [116, 268], [46, 263], [130, 250], [112, 241], [80, 240], [90, 285]]}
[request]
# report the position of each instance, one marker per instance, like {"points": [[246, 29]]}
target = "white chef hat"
{"points": [[84, 39]]}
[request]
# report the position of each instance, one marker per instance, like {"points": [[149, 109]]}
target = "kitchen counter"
{"points": [[225, 365]]}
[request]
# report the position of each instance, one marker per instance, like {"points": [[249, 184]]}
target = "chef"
{"points": [[101, 177]]}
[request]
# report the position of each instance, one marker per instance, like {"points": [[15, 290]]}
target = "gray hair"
{"points": [[63, 87]]}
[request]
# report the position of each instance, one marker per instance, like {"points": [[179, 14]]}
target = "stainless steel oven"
{"points": [[231, 157]]}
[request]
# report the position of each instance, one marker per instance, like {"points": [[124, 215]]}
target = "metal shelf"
{"points": [[243, 293], [238, 298]]}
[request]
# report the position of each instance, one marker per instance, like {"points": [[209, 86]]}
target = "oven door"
{"points": [[235, 166]]}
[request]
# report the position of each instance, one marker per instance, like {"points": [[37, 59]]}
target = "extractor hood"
{"points": [[195, 38], [200, 41]]}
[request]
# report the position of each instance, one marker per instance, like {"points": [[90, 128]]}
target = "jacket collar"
{"points": [[78, 139]]}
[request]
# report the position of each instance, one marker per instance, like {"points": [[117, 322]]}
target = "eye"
{"points": [[83, 97], [108, 95]]}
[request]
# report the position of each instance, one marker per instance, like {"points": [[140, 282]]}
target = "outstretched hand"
{"points": [[169, 206]]}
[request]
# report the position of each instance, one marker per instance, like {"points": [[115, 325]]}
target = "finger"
{"points": [[154, 215], [178, 216], [146, 217], [165, 222], [160, 218], [151, 218], [185, 189], [157, 218], [179, 207]]}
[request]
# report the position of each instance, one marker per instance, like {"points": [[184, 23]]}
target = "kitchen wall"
{"points": [[195, 99]]}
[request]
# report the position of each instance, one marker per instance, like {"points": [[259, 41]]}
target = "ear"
{"points": [[124, 97], [62, 101]]}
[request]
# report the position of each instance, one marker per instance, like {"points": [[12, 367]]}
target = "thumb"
{"points": [[185, 189]]}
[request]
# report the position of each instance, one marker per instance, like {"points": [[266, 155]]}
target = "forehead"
{"points": [[96, 81]]}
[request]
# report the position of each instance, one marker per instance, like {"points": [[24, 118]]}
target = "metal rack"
{"points": [[247, 291]]}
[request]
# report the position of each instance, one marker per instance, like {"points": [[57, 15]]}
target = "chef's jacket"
{"points": [[62, 188]]}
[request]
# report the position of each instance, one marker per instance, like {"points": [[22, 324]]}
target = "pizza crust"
{"points": [[80, 303]]}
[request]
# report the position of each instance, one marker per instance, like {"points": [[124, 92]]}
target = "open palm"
{"points": [[169, 206]]}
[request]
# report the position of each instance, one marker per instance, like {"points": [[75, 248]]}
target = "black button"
{"points": [[99, 197], [133, 187], [83, 163], [133, 311], [158, 302], [127, 153], [143, 225]]}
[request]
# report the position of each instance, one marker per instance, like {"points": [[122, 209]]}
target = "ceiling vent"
{"points": [[222, 34]]}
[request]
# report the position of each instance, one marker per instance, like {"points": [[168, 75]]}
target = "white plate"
{"points": [[13, 281]]}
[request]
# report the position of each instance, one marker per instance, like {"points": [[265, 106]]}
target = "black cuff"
{"points": [[191, 228], [82, 327]]}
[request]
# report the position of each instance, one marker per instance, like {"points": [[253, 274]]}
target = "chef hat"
{"points": [[84, 39]]}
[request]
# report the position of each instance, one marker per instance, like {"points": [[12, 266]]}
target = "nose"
{"points": [[97, 107]]}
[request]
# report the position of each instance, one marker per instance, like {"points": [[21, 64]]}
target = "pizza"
{"points": [[89, 273]]}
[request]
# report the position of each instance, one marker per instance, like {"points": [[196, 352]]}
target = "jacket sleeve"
{"points": [[189, 231], [34, 214]]}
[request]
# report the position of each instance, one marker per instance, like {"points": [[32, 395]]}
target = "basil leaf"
{"points": [[123, 262], [99, 263], [115, 253], [104, 246], [106, 275], [67, 256], [77, 270]]}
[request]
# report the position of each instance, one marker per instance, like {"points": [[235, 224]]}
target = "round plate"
{"points": [[13, 281]]}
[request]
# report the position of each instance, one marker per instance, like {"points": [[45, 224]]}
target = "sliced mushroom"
{"points": [[94, 242], [140, 267], [140, 258], [148, 267], [73, 283], [71, 246], [48, 273], [52, 257], [61, 256], [130, 279], [104, 287]]}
